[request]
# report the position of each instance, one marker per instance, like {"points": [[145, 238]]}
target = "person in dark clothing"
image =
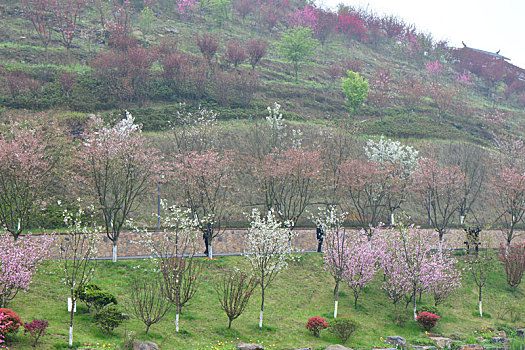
{"points": [[207, 230], [320, 237]]}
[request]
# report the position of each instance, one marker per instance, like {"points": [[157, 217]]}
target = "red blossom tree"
{"points": [[117, 166], [381, 92], [208, 46], [235, 53], [256, 50], [326, 21], [351, 26]]}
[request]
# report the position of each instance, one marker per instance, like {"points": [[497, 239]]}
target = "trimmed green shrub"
{"points": [[343, 327], [95, 298], [109, 318], [428, 308]]}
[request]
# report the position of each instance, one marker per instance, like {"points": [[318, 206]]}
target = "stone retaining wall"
{"points": [[231, 242]]}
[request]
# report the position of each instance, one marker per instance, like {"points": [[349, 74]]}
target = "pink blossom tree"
{"points": [[66, 17], [306, 17], [19, 262], [444, 277], [406, 263], [438, 190], [362, 264], [117, 166], [26, 165]]}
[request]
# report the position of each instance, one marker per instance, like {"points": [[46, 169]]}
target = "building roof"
{"points": [[493, 54]]}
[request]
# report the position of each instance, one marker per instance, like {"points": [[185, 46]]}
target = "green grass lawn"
{"points": [[302, 291]]}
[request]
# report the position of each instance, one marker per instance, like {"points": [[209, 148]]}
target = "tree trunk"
{"points": [[71, 321], [262, 310], [392, 219], [336, 292], [415, 314], [114, 251], [230, 324], [147, 328], [177, 322], [210, 251], [480, 304]]}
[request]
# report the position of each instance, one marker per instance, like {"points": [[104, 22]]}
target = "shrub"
{"points": [[315, 325], [95, 298], [9, 325], [256, 50], [36, 329], [428, 308], [513, 259], [109, 318], [343, 327], [427, 320]]}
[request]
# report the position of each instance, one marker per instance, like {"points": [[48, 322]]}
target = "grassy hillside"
{"points": [[315, 96], [303, 290]]}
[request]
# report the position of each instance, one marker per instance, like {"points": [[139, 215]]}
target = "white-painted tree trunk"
{"points": [[177, 323], [70, 336], [392, 219], [335, 309], [114, 253], [461, 219], [440, 245], [415, 313], [210, 251], [260, 319], [480, 309]]}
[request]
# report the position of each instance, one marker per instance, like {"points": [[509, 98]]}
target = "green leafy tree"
{"points": [[220, 10], [297, 44], [355, 88]]}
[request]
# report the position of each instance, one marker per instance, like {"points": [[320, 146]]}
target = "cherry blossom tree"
{"points": [[406, 263], [27, 161], [267, 250], [362, 264], [306, 17], [401, 161], [444, 277], [117, 167], [381, 94], [438, 190], [19, 262]]}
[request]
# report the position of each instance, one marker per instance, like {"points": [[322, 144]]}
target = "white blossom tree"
{"points": [[266, 248], [77, 249], [401, 161], [117, 167], [174, 251], [335, 252]]}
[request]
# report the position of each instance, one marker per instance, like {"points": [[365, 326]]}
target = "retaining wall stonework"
{"points": [[231, 242]]}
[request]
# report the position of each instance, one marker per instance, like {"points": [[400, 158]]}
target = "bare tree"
{"points": [[234, 290], [148, 301]]}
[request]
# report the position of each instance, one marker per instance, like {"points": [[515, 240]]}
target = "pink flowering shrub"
{"points": [[306, 17], [434, 68], [427, 320], [316, 324]]}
